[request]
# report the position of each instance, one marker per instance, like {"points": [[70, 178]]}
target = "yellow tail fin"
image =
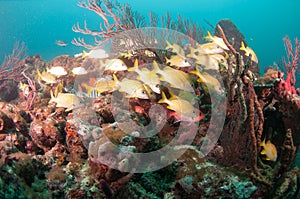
{"points": [[163, 98], [84, 54], [209, 36], [243, 46]]}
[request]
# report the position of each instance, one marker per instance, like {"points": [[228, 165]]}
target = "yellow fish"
{"points": [[47, 77], [249, 51], [209, 61], [182, 107], [65, 100], [269, 150], [133, 88], [218, 40], [209, 48], [178, 60], [24, 88], [101, 87], [148, 77], [176, 78], [175, 48], [115, 65], [209, 80]]}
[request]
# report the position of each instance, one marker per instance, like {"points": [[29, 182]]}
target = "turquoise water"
{"points": [[39, 23]]}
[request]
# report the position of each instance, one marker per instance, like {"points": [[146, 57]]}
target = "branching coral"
{"points": [[120, 18], [12, 65], [291, 65]]}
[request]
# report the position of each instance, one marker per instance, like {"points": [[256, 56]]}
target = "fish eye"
{"points": [[193, 111], [143, 92], [185, 61], [157, 86]]}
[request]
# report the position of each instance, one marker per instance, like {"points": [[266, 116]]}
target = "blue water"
{"points": [[40, 22]]}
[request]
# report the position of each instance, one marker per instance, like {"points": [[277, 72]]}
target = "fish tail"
{"points": [[38, 73], [196, 72], [52, 97], [168, 45], [115, 78], [208, 37], [84, 54], [243, 46], [135, 66], [168, 60], [163, 98], [156, 67], [172, 94], [263, 143]]}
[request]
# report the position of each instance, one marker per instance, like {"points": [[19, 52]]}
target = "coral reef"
{"points": [[76, 134]]}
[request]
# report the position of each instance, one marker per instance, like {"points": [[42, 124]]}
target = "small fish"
{"points": [[133, 88], [24, 88], [209, 80], [209, 61], [182, 107], [149, 53], [79, 71], [61, 43], [178, 60], [148, 77], [128, 54], [249, 51], [209, 48], [57, 71], [175, 48], [218, 40], [47, 77], [97, 53], [269, 150], [115, 65], [101, 87], [65, 100], [176, 78]]}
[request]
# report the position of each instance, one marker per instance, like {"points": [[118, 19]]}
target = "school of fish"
{"points": [[146, 80]]}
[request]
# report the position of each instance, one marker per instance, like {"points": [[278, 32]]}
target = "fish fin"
{"points": [[115, 78], [226, 55], [88, 88], [168, 60], [263, 142], [267, 158], [243, 46], [135, 66], [172, 95], [163, 98], [263, 152], [69, 109], [156, 67], [209, 36], [52, 97], [168, 45], [194, 72], [84, 54], [38, 73]]}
